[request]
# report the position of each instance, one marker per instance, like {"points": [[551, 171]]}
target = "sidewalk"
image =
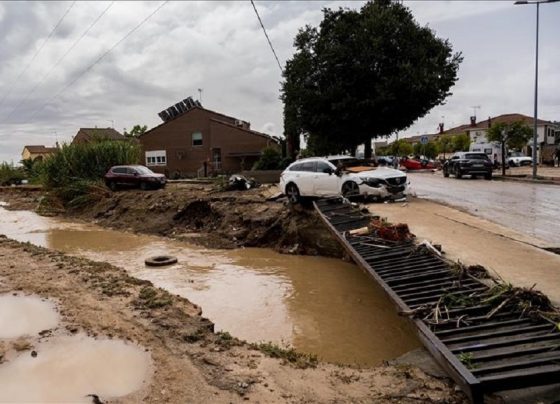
{"points": [[546, 175], [516, 258]]}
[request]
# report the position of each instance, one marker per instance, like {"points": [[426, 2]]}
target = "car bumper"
{"points": [[383, 191]]}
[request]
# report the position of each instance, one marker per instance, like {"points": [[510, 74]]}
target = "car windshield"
{"points": [[143, 170], [476, 156], [517, 154]]}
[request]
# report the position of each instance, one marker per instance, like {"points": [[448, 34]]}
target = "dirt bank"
{"points": [[200, 214], [191, 363]]}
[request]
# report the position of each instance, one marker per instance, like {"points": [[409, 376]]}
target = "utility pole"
{"points": [[535, 135]]}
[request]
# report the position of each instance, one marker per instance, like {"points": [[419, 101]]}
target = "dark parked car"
{"points": [[468, 163], [133, 176]]}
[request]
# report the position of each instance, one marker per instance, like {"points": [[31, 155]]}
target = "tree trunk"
{"points": [[367, 149], [504, 159]]}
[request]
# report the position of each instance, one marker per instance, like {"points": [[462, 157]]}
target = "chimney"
{"points": [[441, 128], [473, 121], [489, 121]]}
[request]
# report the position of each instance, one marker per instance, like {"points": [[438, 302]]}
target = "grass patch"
{"points": [[290, 355], [152, 298]]}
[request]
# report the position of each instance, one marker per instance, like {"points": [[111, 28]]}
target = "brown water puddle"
{"points": [[25, 315], [318, 305], [68, 369]]}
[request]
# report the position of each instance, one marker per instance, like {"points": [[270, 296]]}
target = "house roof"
{"points": [[39, 149], [253, 132], [273, 138], [106, 133], [508, 118]]}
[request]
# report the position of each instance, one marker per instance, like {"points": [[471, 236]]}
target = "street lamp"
{"points": [[535, 136]]}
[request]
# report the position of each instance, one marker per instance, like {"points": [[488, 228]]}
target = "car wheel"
{"points": [[292, 192], [459, 174], [143, 186], [112, 185], [488, 176], [349, 189]]}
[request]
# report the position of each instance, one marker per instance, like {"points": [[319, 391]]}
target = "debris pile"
{"points": [[385, 230]]}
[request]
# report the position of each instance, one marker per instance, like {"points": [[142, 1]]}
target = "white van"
{"points": [[490, 149]]}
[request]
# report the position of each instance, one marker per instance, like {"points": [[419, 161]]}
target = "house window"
{"points": [[197, 139], [156, 158]]}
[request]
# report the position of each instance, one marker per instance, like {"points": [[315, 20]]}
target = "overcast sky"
{"points": [[220, 48]]}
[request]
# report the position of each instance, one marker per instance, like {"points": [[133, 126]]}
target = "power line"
{"points": [[59, 60], [267, 38], [87, 69], [36, 53]]}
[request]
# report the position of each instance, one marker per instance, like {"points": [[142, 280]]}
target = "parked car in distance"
{"points": [[385, 160], [418, 163], [518, 159], [133, 176], [468, 163], [340, 175]]}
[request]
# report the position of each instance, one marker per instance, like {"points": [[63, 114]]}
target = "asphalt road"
{"points": [[532, 209]]}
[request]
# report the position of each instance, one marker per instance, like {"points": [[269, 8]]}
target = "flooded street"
{"points": [[532, 209], [318, 305]]}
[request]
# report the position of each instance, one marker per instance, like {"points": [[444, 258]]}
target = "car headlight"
{"points": [[372, 182]]}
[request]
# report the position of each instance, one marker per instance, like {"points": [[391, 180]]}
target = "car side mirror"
{"points": [[136, 174], [328, 171]]}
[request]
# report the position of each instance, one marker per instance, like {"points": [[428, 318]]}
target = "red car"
{"points": [[133, 176], [417, 164]]}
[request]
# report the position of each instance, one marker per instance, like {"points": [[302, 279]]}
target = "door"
{"points": [[325, 182], [305, 178], [217, 159], [131, 177]]}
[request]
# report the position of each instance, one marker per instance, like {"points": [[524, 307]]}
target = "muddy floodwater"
{"points": [[25, 315], [318, 305], [68, 369]]}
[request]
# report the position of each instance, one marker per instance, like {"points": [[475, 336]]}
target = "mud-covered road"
{"points": [[532, 209]]}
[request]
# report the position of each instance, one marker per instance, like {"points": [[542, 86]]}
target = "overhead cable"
{"points": [[30, 92], [267, 38], [14, 82], [99, 59]]}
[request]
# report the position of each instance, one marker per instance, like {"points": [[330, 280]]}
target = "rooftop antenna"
{"points": [[474, 108], [200, 95], [112, 123]]}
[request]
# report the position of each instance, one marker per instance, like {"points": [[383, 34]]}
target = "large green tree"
{"points": [[364, 74], [461, 142], [514, 135]]}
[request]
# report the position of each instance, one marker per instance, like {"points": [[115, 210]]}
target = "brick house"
{"points": [[86, 135], [196, 141], [37, 152]]}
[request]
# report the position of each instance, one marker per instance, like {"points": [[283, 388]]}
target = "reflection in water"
{"points": [[318, 305], [25, 315], [67, 369]]}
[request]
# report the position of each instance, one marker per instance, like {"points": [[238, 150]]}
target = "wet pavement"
{"points": [[532, 209], [317, 305]]}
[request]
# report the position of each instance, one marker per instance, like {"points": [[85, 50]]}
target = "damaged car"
{"points": [[341, 175]]}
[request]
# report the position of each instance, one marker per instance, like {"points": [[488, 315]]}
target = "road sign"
{"points": [[424, 139]]}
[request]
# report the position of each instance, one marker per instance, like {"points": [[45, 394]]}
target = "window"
{"points": [[119, 170], [197, 139], [156, 158], [322, 167], [296, 167], [308, 166]]}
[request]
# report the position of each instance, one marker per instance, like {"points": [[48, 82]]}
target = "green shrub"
{"points": [[271, 159], [87, 161], [10, 174]]}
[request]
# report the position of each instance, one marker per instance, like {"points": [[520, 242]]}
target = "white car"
{"points": [[519, 159], [340, 175]]}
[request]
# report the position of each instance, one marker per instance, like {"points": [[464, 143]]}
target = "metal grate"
{"points": [[490, 353]]}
